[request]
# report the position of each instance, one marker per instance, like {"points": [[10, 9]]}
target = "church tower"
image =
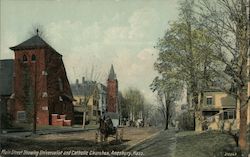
{"points": [[41, 87], [112, 91]]}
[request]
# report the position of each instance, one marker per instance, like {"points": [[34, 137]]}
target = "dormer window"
{"points": [[25, 59], [33, 58]]}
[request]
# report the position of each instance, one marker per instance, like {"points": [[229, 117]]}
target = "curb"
{"points": [[45, 132], [142, 140], [63, 131]]}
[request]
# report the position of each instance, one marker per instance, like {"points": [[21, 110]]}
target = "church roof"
{"points": [[32, 43], [112, 75]]}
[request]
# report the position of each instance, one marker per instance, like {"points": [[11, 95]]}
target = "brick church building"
{"points": [[40, 83], [112, 92]]}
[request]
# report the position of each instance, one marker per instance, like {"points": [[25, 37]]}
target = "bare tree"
{"points": [[88, 90], [135, 101]]}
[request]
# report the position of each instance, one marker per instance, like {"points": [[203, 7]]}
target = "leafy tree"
{"points": [[185, 54]]}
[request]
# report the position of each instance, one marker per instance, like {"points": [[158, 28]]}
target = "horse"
{"points": [[106, 127]]}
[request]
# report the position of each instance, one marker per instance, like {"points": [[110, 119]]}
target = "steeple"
{"points": [[112, 91], [112, 75]]}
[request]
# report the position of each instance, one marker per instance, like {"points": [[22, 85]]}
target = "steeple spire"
{"points": [[112, 75]]}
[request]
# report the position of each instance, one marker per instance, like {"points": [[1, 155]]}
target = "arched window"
{"points": [[25, 59], [33, 58]]}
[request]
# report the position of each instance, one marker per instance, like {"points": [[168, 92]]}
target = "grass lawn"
{"points": [[207, 144]]}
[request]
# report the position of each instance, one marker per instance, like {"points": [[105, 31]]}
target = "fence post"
{"points": [[96, 137], [116, 135], [101, 137], [122, 132]]}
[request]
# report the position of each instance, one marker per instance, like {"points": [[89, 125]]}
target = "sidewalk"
{"points": [[136, 143], [162, 144], [46, 130]]}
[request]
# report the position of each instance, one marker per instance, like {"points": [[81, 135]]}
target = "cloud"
{"points": [[146, 54], [116, 34], [135, 69], [73, 34], [141, 20], [140, 27]]}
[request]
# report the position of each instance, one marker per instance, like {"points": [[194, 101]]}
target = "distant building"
{"points": [[40, 79], [102, 90], [86, 93], [6, 90], [112, 91]]}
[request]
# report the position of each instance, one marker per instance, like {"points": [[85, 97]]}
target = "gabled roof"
{"points": [[112, 75], [6, 76], [85, 89], [32, 43]]}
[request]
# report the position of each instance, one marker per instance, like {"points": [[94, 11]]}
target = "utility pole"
{"points": [[34, 98], [34, 105], [1, 104]]}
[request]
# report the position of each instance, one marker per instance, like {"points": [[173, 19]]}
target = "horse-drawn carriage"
{"points": [[109, 124]]}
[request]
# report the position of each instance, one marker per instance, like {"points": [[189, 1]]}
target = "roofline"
{"points": [[14, 48], [34, 47], [213, 90], [6, 60]]}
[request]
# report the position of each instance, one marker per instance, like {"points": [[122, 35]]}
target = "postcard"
{"points": [[124, 78]]}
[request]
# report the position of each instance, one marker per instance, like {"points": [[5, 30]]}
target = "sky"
{"points": [[93, 34]]}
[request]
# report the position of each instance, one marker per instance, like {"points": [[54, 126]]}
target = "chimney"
{"points": [[83, 80]]}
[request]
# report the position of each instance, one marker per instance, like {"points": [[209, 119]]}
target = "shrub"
{"points": [[6, 121], [186, 121]]}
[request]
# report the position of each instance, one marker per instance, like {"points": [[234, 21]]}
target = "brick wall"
{"points": [[29, 79], [56, 74], [112, 91]]}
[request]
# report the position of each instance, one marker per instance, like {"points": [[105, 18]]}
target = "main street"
{"points": [[162, 145]]}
